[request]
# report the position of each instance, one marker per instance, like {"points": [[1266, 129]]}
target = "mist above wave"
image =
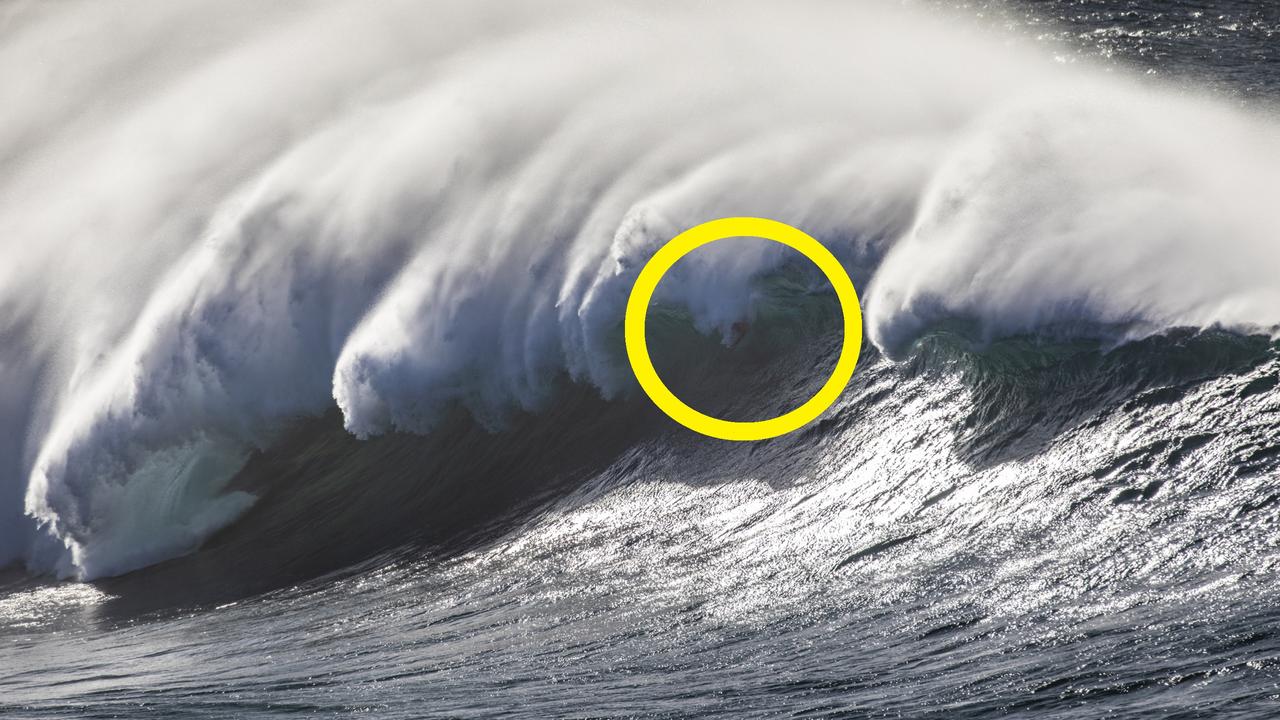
{"points": [[399, 208]]}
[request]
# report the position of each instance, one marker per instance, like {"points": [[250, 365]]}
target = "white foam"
{"points": [[1104, 209]]}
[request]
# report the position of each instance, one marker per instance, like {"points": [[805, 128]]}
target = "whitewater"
{"points": [[292, 291]]}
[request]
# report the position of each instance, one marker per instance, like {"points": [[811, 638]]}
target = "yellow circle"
{"points": [[690, 240]]}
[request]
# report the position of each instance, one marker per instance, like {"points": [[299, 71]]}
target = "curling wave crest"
{"points": [[405, 208]]}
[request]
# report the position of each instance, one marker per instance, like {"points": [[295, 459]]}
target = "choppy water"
{"points": [[1052, 488]]}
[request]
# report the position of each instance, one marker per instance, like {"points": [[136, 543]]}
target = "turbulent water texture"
{"points": [[314, 399]]}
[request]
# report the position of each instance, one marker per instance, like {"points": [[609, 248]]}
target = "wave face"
{"points": [[238, 217]]}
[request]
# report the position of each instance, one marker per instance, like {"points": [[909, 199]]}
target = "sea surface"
{"points": [[313, 397]]}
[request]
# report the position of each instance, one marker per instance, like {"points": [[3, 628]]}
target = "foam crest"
{"points": [[1104, 210]]}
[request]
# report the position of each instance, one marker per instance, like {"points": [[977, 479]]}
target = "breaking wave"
{"points": [[229, 237]]}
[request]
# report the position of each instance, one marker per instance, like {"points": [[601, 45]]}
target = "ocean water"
{"points": [[313, 397]]}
